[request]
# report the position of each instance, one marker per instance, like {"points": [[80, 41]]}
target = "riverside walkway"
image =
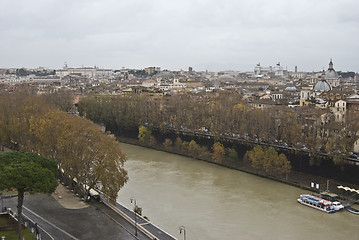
{"points": [[65, 216], [142, 225]]}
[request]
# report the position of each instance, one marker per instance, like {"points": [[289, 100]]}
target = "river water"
{"points": [[214, 202]]}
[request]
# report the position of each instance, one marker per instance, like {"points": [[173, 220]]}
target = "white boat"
{"points": [[320, 203]]}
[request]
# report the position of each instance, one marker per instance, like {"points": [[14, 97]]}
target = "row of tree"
{"points": [[219, 153], [225, 113], [267, 160], [29, 123], [264, 161]]}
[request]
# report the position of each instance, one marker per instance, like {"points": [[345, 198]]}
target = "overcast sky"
{"points": [[175, 34]]}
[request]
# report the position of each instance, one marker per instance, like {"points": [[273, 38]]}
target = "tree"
{"points": [[144, 134], [185, 145], [269, 160], [82, 151], [232, 155], [256, 156], [168, 144], [194, 149], [26, 172], [218, 152], [178, 144], [62, 98], [283, 165]]}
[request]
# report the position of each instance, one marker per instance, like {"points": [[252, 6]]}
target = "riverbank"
{"points": [[297, 179]]}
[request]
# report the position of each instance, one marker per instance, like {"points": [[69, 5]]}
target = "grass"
{"points": [[12, 235]]}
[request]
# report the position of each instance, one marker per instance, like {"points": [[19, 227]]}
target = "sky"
{"points": [[176, 34]]}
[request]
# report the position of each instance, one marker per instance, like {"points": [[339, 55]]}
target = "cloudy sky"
{"points": [[175, 34]]}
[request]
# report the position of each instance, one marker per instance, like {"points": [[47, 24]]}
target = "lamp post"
{"points": [[182, 228], [134, 201]]}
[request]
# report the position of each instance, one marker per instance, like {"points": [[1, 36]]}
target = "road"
{"points": [[96, 221]]}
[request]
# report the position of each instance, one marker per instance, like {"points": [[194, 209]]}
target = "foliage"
{"points": [[269, 161], [26, 172], [178, 144], [184, 147], [144, 134], [81, 150], [24, 72], [168, 144], [12, 235], [232, 154], [256, 156], [218, 152], [194, 149], [218, 113], [63, 99]]}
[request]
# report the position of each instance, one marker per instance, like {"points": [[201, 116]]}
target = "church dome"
{"points": [[331, 73], [322, 86]]}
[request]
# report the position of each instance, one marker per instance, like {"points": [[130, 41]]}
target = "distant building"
{"points": [[152, 70], [90, 72], [325, 83], [353, 102], [260, 71], [331, 75]]}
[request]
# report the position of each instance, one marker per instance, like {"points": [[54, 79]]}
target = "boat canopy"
{"points": [[332, 195]]}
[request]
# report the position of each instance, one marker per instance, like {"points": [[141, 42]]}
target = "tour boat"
{"points": [[320, 203]]}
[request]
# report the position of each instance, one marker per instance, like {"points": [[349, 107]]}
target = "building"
{"points": [[331, 75], [324, 84], [353, 102], [260, 71], [89, 72]]}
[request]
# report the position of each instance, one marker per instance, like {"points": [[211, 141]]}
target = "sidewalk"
{"points": [[68, 217]]}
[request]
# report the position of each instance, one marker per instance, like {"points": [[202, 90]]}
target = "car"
{"points": [[354, 155]]}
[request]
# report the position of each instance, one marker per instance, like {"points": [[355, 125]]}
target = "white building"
{"points": [[331, 75], [260, 71], [90, 72]]}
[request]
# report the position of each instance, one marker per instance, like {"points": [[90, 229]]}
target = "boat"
{"points": [[320, 203], [352, 210]]}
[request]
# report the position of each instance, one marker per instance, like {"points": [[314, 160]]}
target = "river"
{"points": [[214, 202]]}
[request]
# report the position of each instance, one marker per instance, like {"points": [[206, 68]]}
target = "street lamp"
{"points": [[182, 228], [134, 201]]}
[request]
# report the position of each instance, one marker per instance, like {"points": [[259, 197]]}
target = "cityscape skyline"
{"points": [[233, 35]]}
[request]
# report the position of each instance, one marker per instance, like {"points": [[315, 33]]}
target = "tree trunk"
{"points": [[20, 201]]}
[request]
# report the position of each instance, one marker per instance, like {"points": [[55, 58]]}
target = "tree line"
{"points": [[225, 113], [264, 161], [33, 124]]}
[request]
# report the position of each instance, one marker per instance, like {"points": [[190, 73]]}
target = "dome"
{"points": [[290, 89], [322, 86], [331, 73]]}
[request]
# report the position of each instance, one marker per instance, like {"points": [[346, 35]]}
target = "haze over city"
{"points": [[207, 35]]}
